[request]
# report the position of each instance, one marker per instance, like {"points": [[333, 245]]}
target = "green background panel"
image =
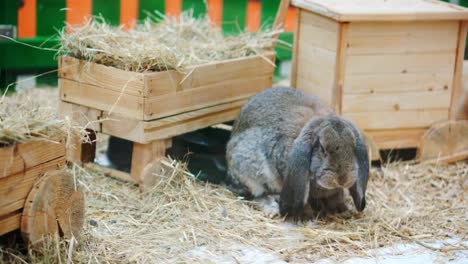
{"points": [[198, 6], [234, 15], [50, 17], [149, 6], [109, 9]]}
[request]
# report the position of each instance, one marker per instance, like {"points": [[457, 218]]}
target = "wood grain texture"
{"points": [[396, 138], [101, 98], [102, 76], [398, 120], [458, 74], [295, 55], [445, 141], [21, 157], [15, 188], [317, 56], [146, 131], [440, 38], [389, 10], [10, 222], [205, 96], [54, 203], [394, 102], [398, 82]]}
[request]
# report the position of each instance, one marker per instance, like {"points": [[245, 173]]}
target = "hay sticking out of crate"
{"points": [[161, 43], [32, 115]]}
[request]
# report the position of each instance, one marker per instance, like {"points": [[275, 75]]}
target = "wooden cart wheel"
{"points": [[54, 205], [445, 142]]}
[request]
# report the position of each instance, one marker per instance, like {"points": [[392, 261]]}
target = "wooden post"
{"points": [[79, 152], [145, 157]]}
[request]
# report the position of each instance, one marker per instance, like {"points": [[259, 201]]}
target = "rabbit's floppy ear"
{"points": [[358, 190], [296, 184]]}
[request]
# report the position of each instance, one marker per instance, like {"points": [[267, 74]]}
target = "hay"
{"points": [[31, 115], [183, 220], [161, 43]]}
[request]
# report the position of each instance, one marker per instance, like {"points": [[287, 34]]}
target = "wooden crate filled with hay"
{"points": [[393, 67], [37, 195], [160, 80]]}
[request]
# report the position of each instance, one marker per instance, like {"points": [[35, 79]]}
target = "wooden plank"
{"points": [[218, 72], [388, 10], [433, 41], [401, 63], [319, 33], [191, 124], [295, 56], [394, 102], [398, 120], [10, 223], [458, 75], [193, 99], [311, 18], [16, 187], [340, 68], [102, 76], [144, 155], [397, 82], [101, 98], [416, 29], [396, 138], [82, 116], [140, 131], [20, 157]]}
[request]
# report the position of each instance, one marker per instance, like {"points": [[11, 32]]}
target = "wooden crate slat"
{"points": [[437, 41], [101, 75], [400, 63], [396, 138], [397, 83], [15, 188], [193, 99], [313, 26], [192, 124], [393, 102], [101, 98], [145, 131], [20, 157], [401, 29], [10, 223], [398, 120], [213, 73]]}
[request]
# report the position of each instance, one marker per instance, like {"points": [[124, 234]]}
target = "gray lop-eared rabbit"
{"points": [[289, 144]]}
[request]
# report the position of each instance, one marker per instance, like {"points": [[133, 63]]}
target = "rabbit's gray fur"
{"points": [[287, 144]]}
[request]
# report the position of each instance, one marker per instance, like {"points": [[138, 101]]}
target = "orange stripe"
{"points": [[173, 7], [128, 13], [27, 19], [215, 11], [254, 12], [78, 11], [290, 19]]}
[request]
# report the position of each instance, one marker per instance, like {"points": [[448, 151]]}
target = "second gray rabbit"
{"points": [[287, 149]]}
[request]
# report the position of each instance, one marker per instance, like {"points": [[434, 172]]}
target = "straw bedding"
{"points": [[183, 220], [30, 115], [161, 43]]}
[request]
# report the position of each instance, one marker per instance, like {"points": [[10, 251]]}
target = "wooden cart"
{"points": [[151, 108], [36, 194], [393, 67]]}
